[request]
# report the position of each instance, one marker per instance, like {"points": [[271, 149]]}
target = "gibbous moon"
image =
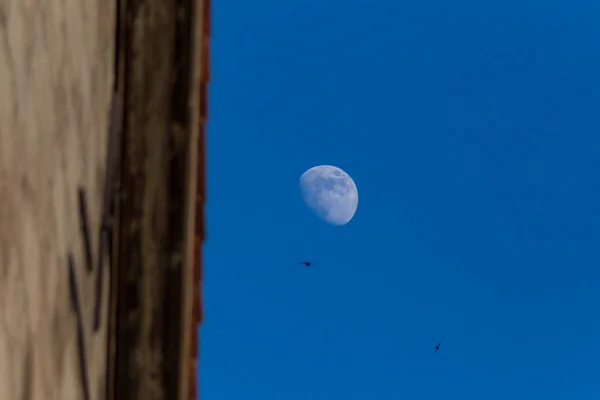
{"points": [[330, 193]]}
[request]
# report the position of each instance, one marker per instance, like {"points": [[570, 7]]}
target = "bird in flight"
{"points": [[307, 263], [437, 347]]}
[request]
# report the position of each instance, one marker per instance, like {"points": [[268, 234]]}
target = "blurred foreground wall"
{"points": [[60, 62], [56, 80], [164, 49]]}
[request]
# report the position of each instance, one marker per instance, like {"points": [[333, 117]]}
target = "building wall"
{"points": [[56, 66], [154, 283]]}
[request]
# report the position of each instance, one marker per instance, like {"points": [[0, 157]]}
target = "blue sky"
{"points": [[472, 130]]}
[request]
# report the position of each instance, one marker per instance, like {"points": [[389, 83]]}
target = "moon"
{"points": [[330, 193]]}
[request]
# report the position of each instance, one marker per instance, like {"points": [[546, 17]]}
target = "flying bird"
{"points": [[437, 347], [307, 263]]}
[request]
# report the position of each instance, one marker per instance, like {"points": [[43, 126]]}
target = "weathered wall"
{"points": [[56, 65], [155, 208]]}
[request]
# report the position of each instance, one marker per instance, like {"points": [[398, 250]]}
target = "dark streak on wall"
{"points": [[179, 144], [152, 198]]}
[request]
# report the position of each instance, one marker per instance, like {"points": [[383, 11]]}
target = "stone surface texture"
{"points": [[56, 77]]}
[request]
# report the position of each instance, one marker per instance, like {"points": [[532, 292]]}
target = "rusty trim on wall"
{"points": [[200, 198]]}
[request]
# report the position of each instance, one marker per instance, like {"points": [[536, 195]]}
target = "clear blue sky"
{"points": [[472, 130]]}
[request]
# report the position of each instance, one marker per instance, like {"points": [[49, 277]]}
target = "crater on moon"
{"points": [[330, 193]]}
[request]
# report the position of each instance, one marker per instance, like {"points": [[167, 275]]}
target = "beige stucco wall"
{"points": [[56, 61]]}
